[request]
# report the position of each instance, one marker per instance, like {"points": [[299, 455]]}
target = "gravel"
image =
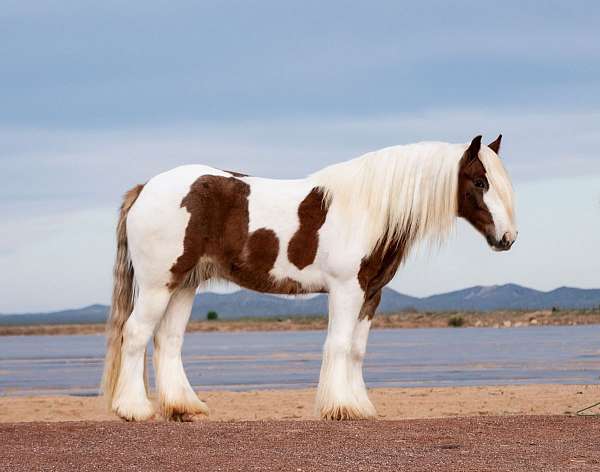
{"points": [[519, 443]]}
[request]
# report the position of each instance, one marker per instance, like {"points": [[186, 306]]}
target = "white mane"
{"points": [[408, 192]]}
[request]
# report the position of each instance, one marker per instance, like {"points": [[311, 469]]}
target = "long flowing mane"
{"points": [[408, 192]]}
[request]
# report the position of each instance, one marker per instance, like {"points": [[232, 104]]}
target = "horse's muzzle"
{"points": [[503, 244]]}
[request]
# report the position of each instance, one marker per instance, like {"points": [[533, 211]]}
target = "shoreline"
{"points": [[495, 319], [392, 403]]}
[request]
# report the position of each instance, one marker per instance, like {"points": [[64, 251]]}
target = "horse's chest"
{"points": [[379, 268]]}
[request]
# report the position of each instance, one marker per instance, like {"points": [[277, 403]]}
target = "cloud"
{"points": [[99, 96], [64, 259], [557, 222], [58, 260], [83, 64], [60, 190], [80, 169]]}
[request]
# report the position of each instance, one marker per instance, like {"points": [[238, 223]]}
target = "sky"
{"points": [[99, 96]]}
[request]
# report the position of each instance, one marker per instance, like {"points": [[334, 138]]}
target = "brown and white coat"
{"points": [[344, 230]]}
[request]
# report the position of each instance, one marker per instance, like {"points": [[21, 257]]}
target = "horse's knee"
{"points": [[135, 336], [358, 352], [168, 344]]}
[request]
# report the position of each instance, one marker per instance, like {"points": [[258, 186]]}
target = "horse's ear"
{"points": [[472, 152], [495, 146]]}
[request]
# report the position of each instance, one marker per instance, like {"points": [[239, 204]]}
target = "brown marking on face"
{"points": [[302, 248], [376, 271], [218, 229], [472, 185]]}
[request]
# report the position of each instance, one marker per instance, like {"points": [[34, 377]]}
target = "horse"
{"points": [[344, 230]]}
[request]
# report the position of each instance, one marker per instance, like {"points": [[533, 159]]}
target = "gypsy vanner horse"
{"points": [[343, 230]]}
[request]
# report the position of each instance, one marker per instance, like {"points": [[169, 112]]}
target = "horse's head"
{"points": [[485, 195]]}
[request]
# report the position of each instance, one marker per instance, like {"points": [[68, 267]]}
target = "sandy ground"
{"points": [[391, 403], [521, 443]]}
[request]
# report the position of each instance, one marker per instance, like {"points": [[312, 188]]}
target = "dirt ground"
{"points": [[521, 443], [496, 319], [391, 403]]}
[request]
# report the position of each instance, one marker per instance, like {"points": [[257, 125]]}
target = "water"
{"points": [[266, 360]]}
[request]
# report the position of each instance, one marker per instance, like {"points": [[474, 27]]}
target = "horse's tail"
{"points": [[122, 299]]}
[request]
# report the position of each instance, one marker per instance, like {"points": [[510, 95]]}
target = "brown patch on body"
{"points": [[218, 230], [312, 212], [376, 271]]}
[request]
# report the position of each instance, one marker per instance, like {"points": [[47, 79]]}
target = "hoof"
{"points": [[346, 413], [187, 417], [134, 411], [195, 410]]}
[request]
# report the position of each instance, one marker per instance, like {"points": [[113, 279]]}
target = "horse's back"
{"points": [[243, 225]]}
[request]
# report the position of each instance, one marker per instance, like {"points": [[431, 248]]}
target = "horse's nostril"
{"points": [[506, 241], [503, 243]]}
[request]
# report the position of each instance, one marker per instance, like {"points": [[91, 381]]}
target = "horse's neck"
{"points": [[402, 192]]}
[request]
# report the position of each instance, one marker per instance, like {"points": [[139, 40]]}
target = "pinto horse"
{"points": [[343, 230]]}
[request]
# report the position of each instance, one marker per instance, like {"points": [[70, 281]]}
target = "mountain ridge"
{"points": [[245, 303]]}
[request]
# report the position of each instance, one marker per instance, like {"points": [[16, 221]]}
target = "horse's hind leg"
{"points": [[178, 401], [131, 401]]}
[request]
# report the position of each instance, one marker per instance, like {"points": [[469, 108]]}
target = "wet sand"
{"points": [[521, 443], [391, 403]]}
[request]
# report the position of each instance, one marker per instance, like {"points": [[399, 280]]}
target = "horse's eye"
{"points": [[480, 183]]}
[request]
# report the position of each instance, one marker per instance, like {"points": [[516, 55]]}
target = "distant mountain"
{"points": [[494, 297], [85, 315], [511, 297], [246, 303]]}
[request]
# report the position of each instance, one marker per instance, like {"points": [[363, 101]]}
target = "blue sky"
{"points": [[98, 96]]}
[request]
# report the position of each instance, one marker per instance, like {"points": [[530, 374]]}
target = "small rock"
{"points": [[507, 324]]}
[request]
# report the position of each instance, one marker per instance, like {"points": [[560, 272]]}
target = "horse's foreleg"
{"points": [[178, 401], [335, 395], [130, 400], [359, 348]]}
